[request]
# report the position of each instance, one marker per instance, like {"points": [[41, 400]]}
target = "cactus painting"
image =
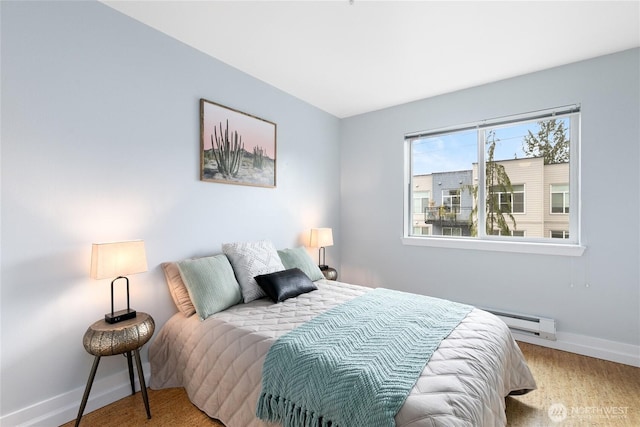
{"points": [[236, 148], [258, 157], [228, 152]]}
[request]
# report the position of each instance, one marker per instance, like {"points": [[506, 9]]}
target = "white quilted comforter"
{"points": [[219, 362]]}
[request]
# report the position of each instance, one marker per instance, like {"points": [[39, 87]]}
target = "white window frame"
{"points": [[570, 247]]}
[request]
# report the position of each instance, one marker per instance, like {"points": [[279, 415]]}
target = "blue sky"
{"points": [[458, 151]]}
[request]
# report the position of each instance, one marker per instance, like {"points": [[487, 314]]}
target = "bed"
{"points": [[219, 360]]}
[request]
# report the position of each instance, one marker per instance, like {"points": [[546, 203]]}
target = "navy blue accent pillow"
{"points": [[285, 284]]}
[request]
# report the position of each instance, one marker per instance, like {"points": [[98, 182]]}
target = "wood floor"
{"points": [[572, 390]]}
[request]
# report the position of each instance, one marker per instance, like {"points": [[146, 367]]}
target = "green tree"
{"points": [[550, 141], [496, 181]]}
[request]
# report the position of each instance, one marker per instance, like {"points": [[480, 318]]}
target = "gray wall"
{"points": [[100, 142], [604, 299]]}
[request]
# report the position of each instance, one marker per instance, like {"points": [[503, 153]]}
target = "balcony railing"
{"points": [[448, 216]]}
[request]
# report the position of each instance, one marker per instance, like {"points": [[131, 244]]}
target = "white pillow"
{"points": [[251, 259]]}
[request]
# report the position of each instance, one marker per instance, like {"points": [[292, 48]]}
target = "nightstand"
{"points": [[329, 273], [108, 339]]}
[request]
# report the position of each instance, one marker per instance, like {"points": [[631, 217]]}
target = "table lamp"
{"points": [[321, 238], [118, 260]]}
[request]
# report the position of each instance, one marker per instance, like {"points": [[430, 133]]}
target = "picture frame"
{"points": [[236, 147]]}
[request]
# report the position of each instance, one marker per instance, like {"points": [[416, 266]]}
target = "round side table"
{"points": [[108, 339]]}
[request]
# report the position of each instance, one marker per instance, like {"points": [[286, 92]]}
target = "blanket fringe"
{"points": [[278, 409]]}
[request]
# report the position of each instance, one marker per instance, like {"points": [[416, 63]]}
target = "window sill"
{"points": [[498, 246]]}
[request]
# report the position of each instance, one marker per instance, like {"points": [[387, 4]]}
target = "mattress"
{"points": [[219, 362]]}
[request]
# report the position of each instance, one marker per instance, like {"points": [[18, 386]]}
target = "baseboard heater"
{"points": [[530, 325]]}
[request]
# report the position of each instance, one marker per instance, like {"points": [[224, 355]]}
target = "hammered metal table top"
{"points": [[106, 339]]}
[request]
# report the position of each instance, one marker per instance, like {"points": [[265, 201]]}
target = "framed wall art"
{"points": [[235, 147]]}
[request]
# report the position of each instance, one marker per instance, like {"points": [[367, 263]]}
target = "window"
{"points": [[451, 200], [451, 231], [421, 201], [516, 233], [559, 198], [494, 180], [559, 234], [510, 201], [422, 231]]}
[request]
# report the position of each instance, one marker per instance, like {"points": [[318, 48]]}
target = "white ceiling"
{"points": [[348, 59]]}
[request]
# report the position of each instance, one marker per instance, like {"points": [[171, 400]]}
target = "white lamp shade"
{"points": [[321, 237], [109, 260]]}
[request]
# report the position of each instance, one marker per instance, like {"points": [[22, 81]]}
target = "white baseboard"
{"points": [[613, 351], [64, 407]]}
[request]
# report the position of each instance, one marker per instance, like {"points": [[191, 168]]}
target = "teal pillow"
{"points": [[299, 258], [211, 284]]}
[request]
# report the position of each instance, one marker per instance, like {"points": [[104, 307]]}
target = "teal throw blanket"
{"points": [[355, 364]]}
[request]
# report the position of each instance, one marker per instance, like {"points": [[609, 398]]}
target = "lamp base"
{"points": [[120, 316], [329, 272]]}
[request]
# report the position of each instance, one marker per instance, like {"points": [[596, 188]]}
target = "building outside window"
{"points": [[526, 164]]}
